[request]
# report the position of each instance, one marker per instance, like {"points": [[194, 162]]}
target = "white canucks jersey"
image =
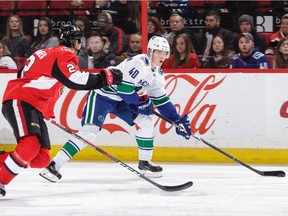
{"points": [[137, 74]]}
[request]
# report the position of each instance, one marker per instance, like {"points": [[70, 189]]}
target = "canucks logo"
{"points": [[145, 60]]}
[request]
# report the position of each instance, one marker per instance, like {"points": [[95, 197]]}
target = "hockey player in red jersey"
{"points": [[31, 97]]}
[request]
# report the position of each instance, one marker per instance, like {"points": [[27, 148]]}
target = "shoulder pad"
{"points": [[145, 60]]}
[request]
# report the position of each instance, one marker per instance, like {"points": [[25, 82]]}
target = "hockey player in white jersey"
{"points": [[141, 73]]}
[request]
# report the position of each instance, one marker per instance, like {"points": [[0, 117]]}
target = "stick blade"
{"points": [[277, 173], [177, 187]]}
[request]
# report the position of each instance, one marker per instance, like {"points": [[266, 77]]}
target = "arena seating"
{"points": [[6, 7], [264, 6], [197, 4], [27, 8], [59, 7], [267, 36], [271, 59]]}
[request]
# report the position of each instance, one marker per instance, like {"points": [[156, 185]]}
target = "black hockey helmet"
{"points": [[69, 34]]}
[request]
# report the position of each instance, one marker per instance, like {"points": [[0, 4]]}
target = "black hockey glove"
{"points": [[111, 76], [184, 128]]}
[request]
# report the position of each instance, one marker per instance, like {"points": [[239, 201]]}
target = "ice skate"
{"points": [[149, 169], [2, 190], [51, 173]]}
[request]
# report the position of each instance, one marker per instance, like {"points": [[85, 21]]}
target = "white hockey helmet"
{"points": [[158, 43]]}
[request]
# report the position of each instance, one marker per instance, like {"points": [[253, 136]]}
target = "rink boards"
{"points": [[242, 112]]}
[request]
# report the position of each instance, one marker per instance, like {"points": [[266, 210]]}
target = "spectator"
{"points": [[15, 39], [176, 23], [135, 46], [154, 27], [175, 6], [83, 23], [213, 28], [281, 57], [98, 55], [103, 4], [177, 26], [249, 57], [6, 60], [184, 55], [220, 56], [275, 38], [116, 36], [100, 5], [77, 8], [246, 24], [127, 15], [44, 36]]}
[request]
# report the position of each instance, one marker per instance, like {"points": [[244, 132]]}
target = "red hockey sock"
{"points": [[27, 148], [3, 157], [41, 160]]}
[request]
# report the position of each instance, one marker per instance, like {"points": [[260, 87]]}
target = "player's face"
{"points": [[158, 57], [245, 45], [43, 27]]}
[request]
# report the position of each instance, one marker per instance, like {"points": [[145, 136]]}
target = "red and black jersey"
{"points": [[45, 74], [274, 39]]}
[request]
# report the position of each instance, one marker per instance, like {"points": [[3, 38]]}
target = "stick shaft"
{"points": [[162, 187], [263, 173]]}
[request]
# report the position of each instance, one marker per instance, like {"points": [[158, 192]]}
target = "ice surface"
{"points": [[105, 188]]}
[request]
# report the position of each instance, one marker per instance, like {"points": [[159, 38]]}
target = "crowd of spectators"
{"points": [[118, 23]]}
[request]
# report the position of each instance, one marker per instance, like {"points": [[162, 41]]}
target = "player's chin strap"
{"points": [[278, 173], [156, 67]]}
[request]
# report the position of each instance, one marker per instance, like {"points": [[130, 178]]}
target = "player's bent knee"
{"points": [[89, 131], [41, 160], [28, 147]]}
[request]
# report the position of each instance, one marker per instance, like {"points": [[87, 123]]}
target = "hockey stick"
{"points": [[162, 187], [278, 173]]}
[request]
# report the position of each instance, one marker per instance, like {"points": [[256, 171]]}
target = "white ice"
{"points": [[106, 188]]}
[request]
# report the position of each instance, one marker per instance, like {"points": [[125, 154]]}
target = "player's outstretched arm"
{"points": [[111, 76]]}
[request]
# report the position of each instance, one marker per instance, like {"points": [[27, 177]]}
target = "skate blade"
{"points": [[150, 174], [49, 176], [2, 192]]}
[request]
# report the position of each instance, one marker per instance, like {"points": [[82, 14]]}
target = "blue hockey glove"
{"points": [[144, 106], [184, 128]]}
